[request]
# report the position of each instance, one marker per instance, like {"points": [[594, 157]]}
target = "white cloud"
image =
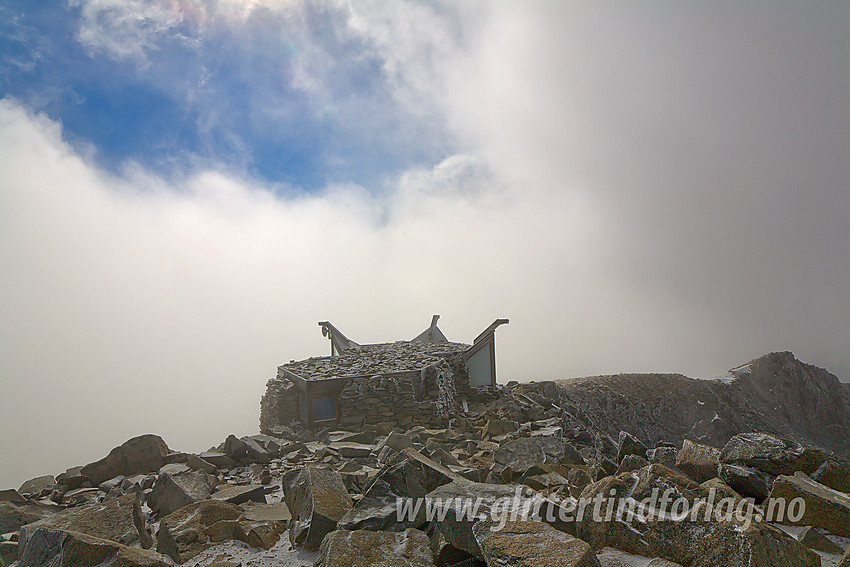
{"points": [[130, 29]]}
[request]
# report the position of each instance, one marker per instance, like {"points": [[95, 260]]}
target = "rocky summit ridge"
{"points": [[561, 473], [775, 393]]}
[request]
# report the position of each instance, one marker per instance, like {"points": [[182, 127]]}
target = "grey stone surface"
{"points": [[317, 499], [51, 547], [343, 548], [117, 519], [170, 493], [145, 453]]}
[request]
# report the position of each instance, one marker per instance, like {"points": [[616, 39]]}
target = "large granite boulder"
{"points": [[60, 548], [117, 519], [813, 538], [771, 454], [628, 444], [698, 461], [170, 493], [747, 481], [824, 508], [142, 454], [317, 499], [524, 453], [13, 515], [456, 507], [240, 494], [666, 456], [531, 544], [343, 548], [834, 474], [245, 450], [37, 486]]}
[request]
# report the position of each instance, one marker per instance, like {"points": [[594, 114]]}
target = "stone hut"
{"points": [[423, 381]]}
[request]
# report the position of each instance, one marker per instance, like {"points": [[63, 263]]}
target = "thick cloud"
{"points": [[636, 189]]}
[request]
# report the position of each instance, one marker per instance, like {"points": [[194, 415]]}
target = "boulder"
{"points": [[444, 457], [824, 508], [174, 469], [60, 548], [201, 525], [344, 548], [770, 454], [520, 454], [73, 479], [631, 463], [747, 481], [142, 454], [275, 512], [579, 478], [170, 493], [833, 474], [13, 496], [531, 544], [245, 450], [524, 453], [117, 519], [240, 494], [402, 484], [610, 557], [496, 427], [8, 552], [196, 463], [317, 499], [813, 538], [720, 487], [628, 444], [219, 460], [698, 461], [13, 515], [434, 474], [165, 543], [35, 486], [396, 441], [351, 450], [457, 506], [664, 456]]}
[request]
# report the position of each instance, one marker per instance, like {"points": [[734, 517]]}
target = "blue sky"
{"points": [[188, 186], [215, 92]]}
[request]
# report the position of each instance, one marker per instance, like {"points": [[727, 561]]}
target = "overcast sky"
{"points": [[188, 186]]}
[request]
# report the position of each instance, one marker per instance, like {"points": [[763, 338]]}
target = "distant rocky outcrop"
{"points": [[775, 393]]}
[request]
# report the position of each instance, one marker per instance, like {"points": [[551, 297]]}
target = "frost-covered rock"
{"points": [[62, 548], [698, 461], [142, 454], [317, 499], [531, 544], [117, 519], [363, 548], [824, 508], [771, 454]]}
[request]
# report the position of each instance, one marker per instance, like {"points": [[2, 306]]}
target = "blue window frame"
{"points": [[324, 409]]}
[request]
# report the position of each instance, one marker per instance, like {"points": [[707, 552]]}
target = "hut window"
{"points": [[324, 409]]}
